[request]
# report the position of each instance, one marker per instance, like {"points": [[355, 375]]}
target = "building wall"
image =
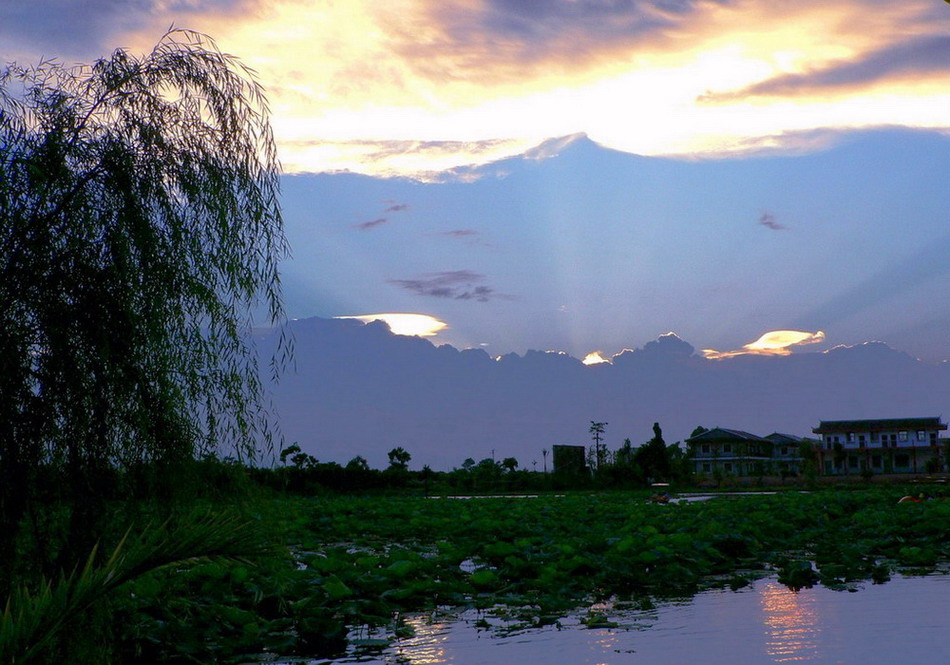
{"points": [[884, 439], [907, 448], [906, 459]]}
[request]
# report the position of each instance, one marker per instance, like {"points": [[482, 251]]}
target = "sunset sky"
{"points": [[735, 97]]}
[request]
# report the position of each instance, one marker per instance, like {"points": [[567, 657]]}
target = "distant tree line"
{"points": [[627, 467]]}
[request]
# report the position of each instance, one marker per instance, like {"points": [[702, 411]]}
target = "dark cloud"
{"points": [[509, 39], [534, 19], [454, 284], [372, 224], [89, 29], [767, 220], [927, 55], [469, 237]]}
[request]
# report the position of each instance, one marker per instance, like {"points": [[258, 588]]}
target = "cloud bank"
{"points": [[361, 390]]}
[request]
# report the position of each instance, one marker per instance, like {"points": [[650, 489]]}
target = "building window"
{"points": [[921, 435], [727, 447], [875, 461], [902, 435], [873, 436], [901, 460], [850, 437], [705, 448]]}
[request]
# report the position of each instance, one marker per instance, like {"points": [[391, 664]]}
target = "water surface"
{"points": [[903, 622]]}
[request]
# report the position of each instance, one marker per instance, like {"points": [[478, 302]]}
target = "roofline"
{"points": [[930, 422], [737, 433]]}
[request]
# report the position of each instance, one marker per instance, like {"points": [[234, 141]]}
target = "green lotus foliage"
{"points": [[347, 562]]}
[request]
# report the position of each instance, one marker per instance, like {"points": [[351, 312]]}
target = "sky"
{"points": [[585, 175]]}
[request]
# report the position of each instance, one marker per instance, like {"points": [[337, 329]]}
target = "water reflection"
{"points": [[792, 628], [427, 645], [604, 642], [762, 625]]}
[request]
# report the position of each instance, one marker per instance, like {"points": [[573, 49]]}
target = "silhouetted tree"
{"points": [[399, 459], [624, 455], [426, 474], [358, 463], [653, 457], [297, 457], [806, 450], [681, 466], [289, 452], [597, 433], [487, 473], [139, 223], [510, 464]]}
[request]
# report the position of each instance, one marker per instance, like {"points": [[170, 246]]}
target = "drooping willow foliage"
{"points": [[139, 227]]}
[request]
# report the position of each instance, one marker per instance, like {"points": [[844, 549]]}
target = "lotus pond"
{"points": [[361, 568]]}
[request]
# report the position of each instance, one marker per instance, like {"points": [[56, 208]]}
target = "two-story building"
{"points": [[786, 453], [899, 445], [730, 452]]}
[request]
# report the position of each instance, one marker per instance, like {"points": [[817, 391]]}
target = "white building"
{"points": [[900, 445]]}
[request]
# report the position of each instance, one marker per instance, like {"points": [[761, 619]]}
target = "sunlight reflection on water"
{"points": [[903, 622], [792, 629]]}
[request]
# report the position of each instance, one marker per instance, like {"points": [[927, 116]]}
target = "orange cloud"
{"points": [[595, 358], [421, 325], [774, 343]]}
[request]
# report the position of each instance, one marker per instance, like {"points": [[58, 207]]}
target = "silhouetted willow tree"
{"points": [[139, 225]]}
